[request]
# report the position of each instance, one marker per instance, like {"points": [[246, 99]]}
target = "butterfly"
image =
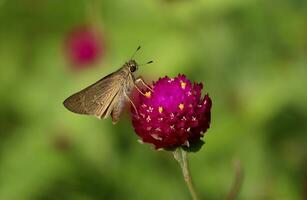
{"points": [[107, 97]]}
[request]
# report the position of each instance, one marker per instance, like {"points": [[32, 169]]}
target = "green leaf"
{"points": [[194, 147]]}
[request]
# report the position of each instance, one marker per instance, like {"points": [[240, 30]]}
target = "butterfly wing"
{"points": [[118, 107], [97, 98], [122, 95]]}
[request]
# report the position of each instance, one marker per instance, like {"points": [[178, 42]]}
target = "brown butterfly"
{"points": [[107, 96]]}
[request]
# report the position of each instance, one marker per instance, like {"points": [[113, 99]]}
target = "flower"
{"points": [[84, 46], [172, 115]]}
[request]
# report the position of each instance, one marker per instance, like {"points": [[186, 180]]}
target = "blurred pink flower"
{"points": [[84, 46]]}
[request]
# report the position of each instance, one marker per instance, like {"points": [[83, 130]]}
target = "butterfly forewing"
{"points": [[97, 98]]}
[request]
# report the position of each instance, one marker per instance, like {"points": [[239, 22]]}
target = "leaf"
{"points": [[194, 147]]}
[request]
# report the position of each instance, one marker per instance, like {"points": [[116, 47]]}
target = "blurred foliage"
{"points": [[251, 55]]}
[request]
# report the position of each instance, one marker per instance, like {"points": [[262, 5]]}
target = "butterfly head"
{"points": [[132, 66]]}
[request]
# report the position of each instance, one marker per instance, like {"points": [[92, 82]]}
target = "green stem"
{"points": [[181, 156], [93, 13], [236, 186]]}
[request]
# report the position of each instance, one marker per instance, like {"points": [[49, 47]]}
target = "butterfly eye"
{"points": [[132, 68]]}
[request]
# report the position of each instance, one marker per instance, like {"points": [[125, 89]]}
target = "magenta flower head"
{"points": [[84, 45], [173, 115]]}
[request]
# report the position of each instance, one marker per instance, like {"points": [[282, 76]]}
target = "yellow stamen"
{"points": [[160, 109], [183, 84], [148, 94], [181, 106]]}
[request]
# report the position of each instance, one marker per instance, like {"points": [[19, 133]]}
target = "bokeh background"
{"points": [[250, 54]]}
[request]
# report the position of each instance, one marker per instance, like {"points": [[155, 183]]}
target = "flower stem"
{"points": [[181, 156], [236, 186], [93, 13]]}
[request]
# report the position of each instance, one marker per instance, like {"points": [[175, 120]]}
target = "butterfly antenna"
{"points": [[146, 63], [139, 47]]}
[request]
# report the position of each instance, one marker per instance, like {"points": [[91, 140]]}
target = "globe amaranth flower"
{"points": [[174, 114], [84, 45]]}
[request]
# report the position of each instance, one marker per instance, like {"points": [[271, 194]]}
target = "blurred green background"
{"points": [[250, 54]]}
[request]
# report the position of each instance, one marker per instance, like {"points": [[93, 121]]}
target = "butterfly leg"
{"points": [[138, 89], [140, 79], [133, 105]]}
